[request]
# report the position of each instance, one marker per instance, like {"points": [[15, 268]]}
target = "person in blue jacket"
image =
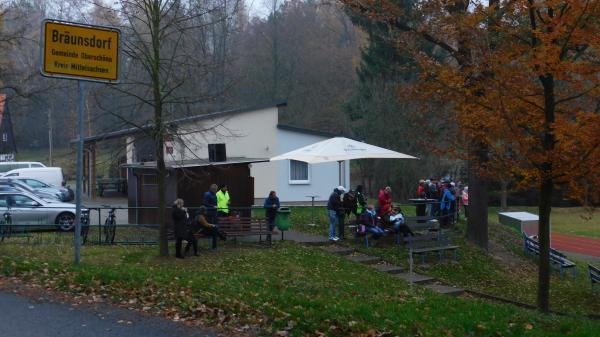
{"points": [[209, 200], [445, 204], [271, 206]]}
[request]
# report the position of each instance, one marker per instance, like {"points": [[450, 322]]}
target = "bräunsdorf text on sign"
{"points": [[80, 51]]}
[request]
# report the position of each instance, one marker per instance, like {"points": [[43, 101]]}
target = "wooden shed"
{"points": [[188, 180]]}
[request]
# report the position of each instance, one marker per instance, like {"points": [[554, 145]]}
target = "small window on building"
{"points": [[217, 153], [4, 137], [299, 172]]}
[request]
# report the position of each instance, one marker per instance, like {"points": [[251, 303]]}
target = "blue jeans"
{"points": [[376, 231], [333, 220]]}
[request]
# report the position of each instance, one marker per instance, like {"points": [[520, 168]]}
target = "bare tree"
{"points": [[166, 60]]}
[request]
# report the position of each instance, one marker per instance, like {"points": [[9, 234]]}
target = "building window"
{"points": [[217, 153], [299, 173]]}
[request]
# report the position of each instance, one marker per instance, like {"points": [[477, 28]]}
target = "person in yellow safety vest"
{"points": [[223, 201]]}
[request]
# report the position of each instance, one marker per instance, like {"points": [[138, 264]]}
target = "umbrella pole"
{"points": [[341, 172]]}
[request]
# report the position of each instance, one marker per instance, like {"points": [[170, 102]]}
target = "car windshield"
{"points": [[34, 183]]}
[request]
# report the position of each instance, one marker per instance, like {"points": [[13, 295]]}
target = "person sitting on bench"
{"points": [[367, 223], [399, 224], [207, 228]]}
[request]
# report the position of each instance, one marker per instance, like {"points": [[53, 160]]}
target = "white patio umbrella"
{"points": [[339, 149]]}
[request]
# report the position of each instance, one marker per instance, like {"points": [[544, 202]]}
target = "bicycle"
{"points": [[110, 226], [6, 225]]}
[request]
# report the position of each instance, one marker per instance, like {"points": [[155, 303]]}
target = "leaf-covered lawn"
{"points": [[286, 289]]}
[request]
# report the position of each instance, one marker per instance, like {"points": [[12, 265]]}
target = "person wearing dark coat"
{"points": [[350, 204], [335, 211], [271, 206], [201, 225], [367, 223], [181, 229], [361, 202], [209, 200]]}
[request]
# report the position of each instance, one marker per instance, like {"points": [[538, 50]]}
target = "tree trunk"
{"points": [[159, 132], [504, 194], [477, 222], [546, 191]]}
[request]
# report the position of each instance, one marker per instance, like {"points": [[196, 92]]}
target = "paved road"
{"points": [[24, 317]]}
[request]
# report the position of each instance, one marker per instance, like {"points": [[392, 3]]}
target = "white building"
{"points": [[245, 136]]}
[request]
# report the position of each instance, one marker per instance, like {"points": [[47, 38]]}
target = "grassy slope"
{"points": [[509, 274], [289, 286]]}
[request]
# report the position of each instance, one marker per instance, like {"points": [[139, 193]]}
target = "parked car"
{"points": [[49, 175], [13, 165], [30, 212], [21, 186], [62, 193]]}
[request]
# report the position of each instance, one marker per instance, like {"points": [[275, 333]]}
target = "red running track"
{"points": [[575, 244]]}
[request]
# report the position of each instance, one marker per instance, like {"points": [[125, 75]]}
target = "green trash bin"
{"points": [[282, 221]]}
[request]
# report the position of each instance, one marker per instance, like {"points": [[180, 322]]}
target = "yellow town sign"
{"points": [[76, 51]]}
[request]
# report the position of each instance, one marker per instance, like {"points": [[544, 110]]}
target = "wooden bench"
{"points": [[234, 227], [116, 184], [594, 273], [440, 250], [557, 258], [441, 245]]}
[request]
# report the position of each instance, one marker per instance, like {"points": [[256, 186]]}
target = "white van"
{"points": [[13, 165], [49, 175]]}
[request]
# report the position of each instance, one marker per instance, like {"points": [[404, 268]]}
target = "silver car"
{"points": [[29, 212], [19, 185], [61, 193]]}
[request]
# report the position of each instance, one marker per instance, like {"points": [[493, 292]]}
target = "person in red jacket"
{"points": [[421, 189], [385, 202]]}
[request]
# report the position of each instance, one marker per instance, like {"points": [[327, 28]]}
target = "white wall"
{"points": [[251, 134], [254, 134], [323, 177]]}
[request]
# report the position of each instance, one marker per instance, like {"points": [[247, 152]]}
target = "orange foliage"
{"points": [[509, 82]]}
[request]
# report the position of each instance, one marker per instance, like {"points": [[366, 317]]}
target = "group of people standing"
{"points": [[377, 221], [341, 204], [185, 228], [449, 198], [216, 204]]}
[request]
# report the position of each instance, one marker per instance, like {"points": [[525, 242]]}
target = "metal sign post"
{"points": [[79, 183], [81, 52]]}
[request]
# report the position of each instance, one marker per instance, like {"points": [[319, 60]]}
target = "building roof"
{"points": [[198, 163], [129, 131], [287, 127]]}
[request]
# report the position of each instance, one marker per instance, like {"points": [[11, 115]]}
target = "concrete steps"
{"points": [[414, 278], [337, 250], [388, 268], [376, 264], [445, 289]]}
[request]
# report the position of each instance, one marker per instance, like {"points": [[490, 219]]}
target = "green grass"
{"points": [[288, 287], [503, 272]]}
